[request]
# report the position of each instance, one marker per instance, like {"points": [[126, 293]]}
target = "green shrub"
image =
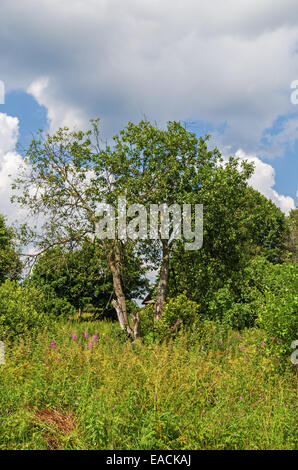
{"points": [[21, 310], [175, 309], [278, 314]]}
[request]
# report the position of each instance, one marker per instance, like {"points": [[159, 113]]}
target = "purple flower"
{"points": [[94, 337], [263, 344], [235, 434], [53, 345], [74, 337], [86, 334], [90, 346]]}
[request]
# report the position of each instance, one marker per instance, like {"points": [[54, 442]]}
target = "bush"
{"points": [[21, 310], [278, 314], [175, 309]]}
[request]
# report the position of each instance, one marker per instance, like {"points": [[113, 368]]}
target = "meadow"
{"points": [[81, 385]]}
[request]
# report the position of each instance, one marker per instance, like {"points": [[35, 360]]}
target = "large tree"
{"points": [[69, 175], [65, 178], [238, 226], [172, 166]]}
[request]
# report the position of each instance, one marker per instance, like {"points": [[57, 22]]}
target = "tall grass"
{"points": [[65, 392]]}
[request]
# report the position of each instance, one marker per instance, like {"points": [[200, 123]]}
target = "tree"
{"points": [[174, 167], [10, 264], [71, 174], [238, 226], [292, 239], [64, 179]]}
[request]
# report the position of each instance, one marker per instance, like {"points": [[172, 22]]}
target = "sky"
{"points": [[222, 68]]}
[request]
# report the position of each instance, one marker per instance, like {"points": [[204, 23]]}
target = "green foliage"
{"points": [[21, 310], [292, 238], [175, 309], [239, 225], [10, 264], [79, 279], [278, 312]]}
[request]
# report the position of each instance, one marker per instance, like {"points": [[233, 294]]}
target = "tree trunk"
{"points": [[120, 303], [163, 280]]}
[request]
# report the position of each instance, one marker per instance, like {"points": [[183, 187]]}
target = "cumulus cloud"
{"points": [[263, 180], [217, 61], [221, 62], [10, 162]]}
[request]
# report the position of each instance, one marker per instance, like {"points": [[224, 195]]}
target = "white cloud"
{"points": [[10, 161], [59, 115], [263, 180], [217, 61]]}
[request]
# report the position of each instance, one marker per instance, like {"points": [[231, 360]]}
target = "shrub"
{"points": [[175, 309], [278, 314], [21, 310]]}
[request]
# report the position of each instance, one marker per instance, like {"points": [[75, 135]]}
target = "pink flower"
{"points": [[53, 345], [263, 344], [90, 346], [86, 334], [235, 434], [74, 337], [94, 337]]}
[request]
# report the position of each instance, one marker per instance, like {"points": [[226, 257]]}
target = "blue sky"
{"points": [[224, 68]]}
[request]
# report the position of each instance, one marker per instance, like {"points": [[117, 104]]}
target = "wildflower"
{"points": [[74, 337], [86, 334], [94, 337], [58, 358], [263, 344], [90, 346], [53, 345], [235, 434], [238, 336], [241, 398]]}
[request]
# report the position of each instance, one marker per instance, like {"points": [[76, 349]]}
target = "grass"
{"points": [[61, 393]]}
